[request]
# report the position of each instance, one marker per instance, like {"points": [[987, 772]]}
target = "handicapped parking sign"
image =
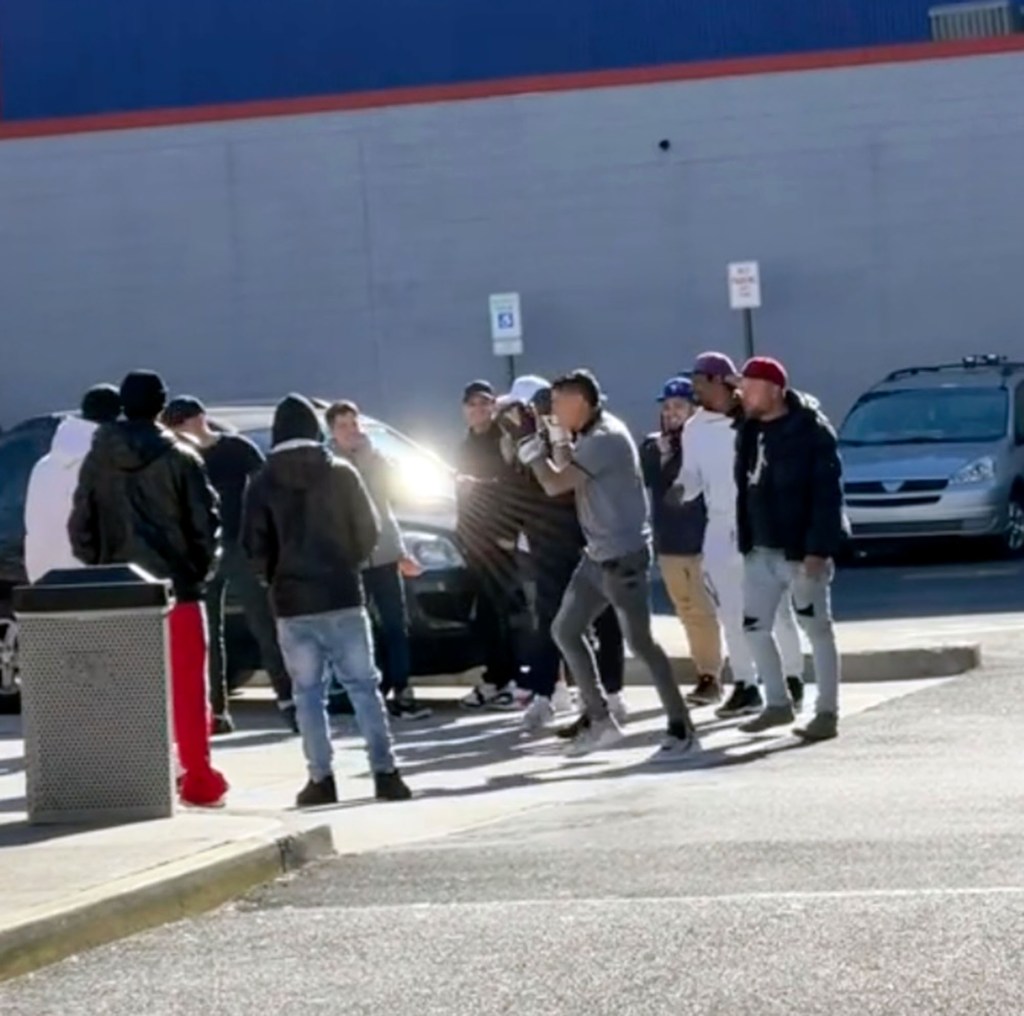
{"points": [[506, 324]]}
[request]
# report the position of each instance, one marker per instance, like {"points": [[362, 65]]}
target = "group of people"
{"points": [[738, 495], [138, 478], [741, 481]]}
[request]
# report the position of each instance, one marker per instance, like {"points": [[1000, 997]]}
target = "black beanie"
{"points": [[101, 404], [295, 419], [143, 395]]}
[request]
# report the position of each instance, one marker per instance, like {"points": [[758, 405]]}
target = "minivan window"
{"points": [[927, 416]]}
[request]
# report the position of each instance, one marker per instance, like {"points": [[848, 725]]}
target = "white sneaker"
{"points": [[562, 701], [595, 737], [674, 748], [618, 708], [539, 715]]}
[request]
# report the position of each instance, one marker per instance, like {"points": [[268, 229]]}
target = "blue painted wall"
{"points": [[71, 57]]}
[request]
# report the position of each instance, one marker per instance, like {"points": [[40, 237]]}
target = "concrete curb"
{"points": [[910, 663], [168, 893]]}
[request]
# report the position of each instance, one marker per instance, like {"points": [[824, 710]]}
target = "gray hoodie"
{"points": [[375, 471]]}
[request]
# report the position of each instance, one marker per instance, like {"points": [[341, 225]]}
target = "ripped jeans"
{"points": [[767, 578]]}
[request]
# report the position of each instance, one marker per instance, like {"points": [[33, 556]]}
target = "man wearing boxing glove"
{"points": [[602, 467], [555, 542]]}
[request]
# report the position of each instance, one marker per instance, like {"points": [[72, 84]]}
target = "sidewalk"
{"points": [[64, 890]]}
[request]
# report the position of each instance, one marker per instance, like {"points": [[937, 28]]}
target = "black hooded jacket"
{"points": [[789, 483], [143, 498], [309, 526]]}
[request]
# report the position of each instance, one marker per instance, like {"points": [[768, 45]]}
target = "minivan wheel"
{"points": [[1013, 537], [10, 694]]}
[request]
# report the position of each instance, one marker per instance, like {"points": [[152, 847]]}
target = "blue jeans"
{"points": [[340, 642], [385, 590]]}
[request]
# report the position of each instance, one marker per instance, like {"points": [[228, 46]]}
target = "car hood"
{"points": [[908, 461], [439, 517]]}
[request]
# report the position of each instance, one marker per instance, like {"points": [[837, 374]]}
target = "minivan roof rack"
{"points": [[982, 361]]}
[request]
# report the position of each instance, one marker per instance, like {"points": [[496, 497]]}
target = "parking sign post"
{"points": [[507, 329], [745, 296]]}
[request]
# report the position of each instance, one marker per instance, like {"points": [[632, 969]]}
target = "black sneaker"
{"points": [[574, 729], [317, 794], [405, 707], [707, 693], [745, 700], [291, 718], [796, 692], [222, 724], [390, 787]]}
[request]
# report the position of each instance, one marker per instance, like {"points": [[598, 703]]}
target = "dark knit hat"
{"points": [[101, 404], [295, 419], [143, 395], [181, 409]]}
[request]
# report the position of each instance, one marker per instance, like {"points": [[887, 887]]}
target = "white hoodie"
{"points": [[709, 458], [51, 492]]}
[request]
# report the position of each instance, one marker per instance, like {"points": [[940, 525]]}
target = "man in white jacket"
{"points": [[709, 456], [51, 487]]}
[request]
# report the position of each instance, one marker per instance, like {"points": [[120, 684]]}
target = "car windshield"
{"points": [[927, 416], [419, 474]]}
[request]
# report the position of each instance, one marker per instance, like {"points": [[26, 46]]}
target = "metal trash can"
{"points": [[95, 686]]}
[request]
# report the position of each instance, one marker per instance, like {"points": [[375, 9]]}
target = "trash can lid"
{"points": [[99, 587]]}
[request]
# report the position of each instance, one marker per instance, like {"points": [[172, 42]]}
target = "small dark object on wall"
{"points": [[664, 144]]}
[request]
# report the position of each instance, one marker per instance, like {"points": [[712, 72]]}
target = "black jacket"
{"points": [[801, 481], [678, 528], [308, 526], [144, 498], [231, 461], [490, 494]]}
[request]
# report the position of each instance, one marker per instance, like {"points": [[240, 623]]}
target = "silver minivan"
{"points": [[938, 451]]}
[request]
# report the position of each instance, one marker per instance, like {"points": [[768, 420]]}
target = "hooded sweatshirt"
{"points": [[708, 470], [143, 498], [51, 491], [309, 523]]}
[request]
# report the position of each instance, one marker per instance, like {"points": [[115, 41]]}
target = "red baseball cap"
{"points": [[765, 368]]}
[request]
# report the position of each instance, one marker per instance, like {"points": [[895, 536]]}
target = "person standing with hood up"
{"points": [[308, 526], [143, 498], [51, 487]]}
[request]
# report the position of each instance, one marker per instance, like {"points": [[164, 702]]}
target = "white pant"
{"points": [[723, 576]]}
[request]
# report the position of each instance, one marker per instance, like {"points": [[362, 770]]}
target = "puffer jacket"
{"points": [[802, 476], [309, 525], [51, 492], [144, 498]]}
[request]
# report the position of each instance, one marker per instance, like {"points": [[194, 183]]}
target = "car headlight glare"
{"points": [[432, 551], [982, 470]]}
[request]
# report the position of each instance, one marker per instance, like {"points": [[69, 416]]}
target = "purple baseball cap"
{"points": [[715, 365]]}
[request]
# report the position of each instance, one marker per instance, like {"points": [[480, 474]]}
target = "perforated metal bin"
{"points": [[94, 667]]}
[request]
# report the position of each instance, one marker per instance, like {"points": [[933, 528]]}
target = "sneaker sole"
{"points": [[734, 714]]}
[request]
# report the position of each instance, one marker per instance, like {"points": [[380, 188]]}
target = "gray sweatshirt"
{"points": [[375, 470]]}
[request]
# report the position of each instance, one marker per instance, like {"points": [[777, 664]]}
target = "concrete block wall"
{"points": [[352, 253]]}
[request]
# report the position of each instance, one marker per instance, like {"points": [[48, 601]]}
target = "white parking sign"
{"points": [[745, 285], [506, 324]]}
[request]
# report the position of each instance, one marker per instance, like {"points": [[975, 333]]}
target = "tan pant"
{"points": [[684, 580]]}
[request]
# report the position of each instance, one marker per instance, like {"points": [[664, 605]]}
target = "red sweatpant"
{"points": [[201, 784]]}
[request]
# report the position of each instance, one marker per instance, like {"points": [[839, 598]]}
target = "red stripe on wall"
{"points": [[462, 92]]}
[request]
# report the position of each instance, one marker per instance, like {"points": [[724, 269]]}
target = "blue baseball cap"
{"points": [[677, 388]]}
